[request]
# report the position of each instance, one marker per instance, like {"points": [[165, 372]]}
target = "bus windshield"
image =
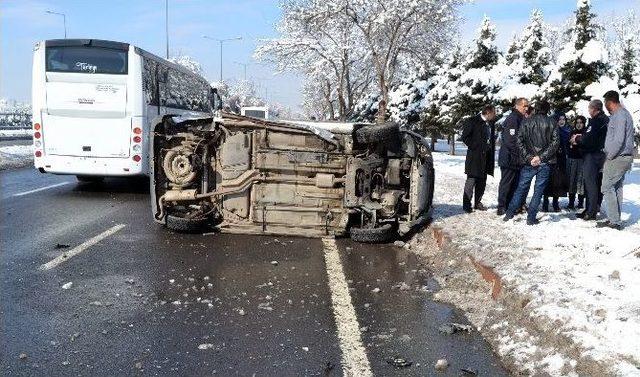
{"points": [[86, 59]]}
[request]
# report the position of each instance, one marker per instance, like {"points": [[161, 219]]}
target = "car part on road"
{"points": [[400, 362], [253, 176]]}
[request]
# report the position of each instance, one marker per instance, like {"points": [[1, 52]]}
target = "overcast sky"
{"points": [[141, 23]]}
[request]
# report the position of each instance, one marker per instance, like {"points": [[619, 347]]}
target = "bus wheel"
{"points": [[89, 178]]}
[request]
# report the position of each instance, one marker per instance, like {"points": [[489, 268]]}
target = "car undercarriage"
{"points": [[240, 174]]}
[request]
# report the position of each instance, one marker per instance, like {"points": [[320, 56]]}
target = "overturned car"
{"points": [[240, 174]]}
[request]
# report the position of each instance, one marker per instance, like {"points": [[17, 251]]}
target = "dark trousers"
{"points": [[541, 173], [592, 168], [473, 185], [508, 184]]}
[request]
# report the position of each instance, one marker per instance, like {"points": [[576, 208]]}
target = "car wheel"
{"points": [[380, 133], [186, 225], [89, 178], [384, 233]]}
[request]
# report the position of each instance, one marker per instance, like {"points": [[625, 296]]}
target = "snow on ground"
{"points": [[14, 156], [580, 283]]}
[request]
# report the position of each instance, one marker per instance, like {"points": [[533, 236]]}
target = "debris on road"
{"points": [[376, 290], [62, 246], [23, 356], [96, 303], [398, 243], [442, 364], [67, 285], [274, 262], [305, 349], [452, 328], [129, 281], [468, 372], [400, 362], [205, 346]]}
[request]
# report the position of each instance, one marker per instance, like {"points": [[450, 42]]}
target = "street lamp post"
{"points": [[244, 65], [166, 25], [221, 42], [64, 21]]}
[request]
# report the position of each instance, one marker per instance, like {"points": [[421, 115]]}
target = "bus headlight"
{"points": [[37, 144], [136, 148]]}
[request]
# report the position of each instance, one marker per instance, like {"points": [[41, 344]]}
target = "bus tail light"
{"points": [[137, 139], [38, 153], [136, 158], [137, 130], [36, 126], [37, 135]]}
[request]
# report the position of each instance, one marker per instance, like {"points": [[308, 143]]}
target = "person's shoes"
{"points": [[533, 222], [603, 224], [580, 215], [467, 209], [545, 207], [480, 207], [588, 217], [556, 207], [507, 217], [523, 209], [570, 206], [500, 212], [615, 226]]}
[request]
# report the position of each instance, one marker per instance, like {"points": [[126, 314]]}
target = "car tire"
{"points": [[185, 225], [381, 234], [380, 133], [89, 178]]}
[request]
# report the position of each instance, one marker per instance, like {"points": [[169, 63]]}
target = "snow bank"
{"points": [[577, 283], [14, 156]]}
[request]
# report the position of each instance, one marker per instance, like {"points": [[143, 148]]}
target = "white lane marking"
{"points": [[40, 189], [354, 355], [80, 248]]}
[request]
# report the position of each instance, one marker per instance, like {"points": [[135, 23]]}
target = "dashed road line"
{"points": [[80, 248], [40, 189], [354, 356]]}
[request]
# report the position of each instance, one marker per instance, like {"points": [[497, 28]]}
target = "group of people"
{"points": [[586, 161]]}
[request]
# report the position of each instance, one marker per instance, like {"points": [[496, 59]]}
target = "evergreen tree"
{"points": [[628, 64], [535, 54], [475, 86], [514, 50], [582, 61]]}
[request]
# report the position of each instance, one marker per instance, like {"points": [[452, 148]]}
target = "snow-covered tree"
{"points": [[534, 55], [188, 62], [408, 100], [479, 82], [581, 62], [14, 114], [625, 50], [318, 39]]}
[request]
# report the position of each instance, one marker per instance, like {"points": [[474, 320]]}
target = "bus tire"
{"points": [[89, 178], [381, 234], [185, 225]]}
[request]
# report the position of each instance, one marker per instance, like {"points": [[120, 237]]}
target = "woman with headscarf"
{"points": [[574, 166], [558, 182]]}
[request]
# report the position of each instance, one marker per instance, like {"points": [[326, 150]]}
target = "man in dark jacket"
{"points": [[538, 142], [591, 144], [478, 134], [509, 157]]}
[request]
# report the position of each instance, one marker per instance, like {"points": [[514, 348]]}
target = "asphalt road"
{"points": [[145, 301]]}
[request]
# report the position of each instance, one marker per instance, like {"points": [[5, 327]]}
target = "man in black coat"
{"points": [[509, 156], [591, 144], [478, 134]]}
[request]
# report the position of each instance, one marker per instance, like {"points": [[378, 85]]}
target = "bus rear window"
{"points": [[86, 59]]}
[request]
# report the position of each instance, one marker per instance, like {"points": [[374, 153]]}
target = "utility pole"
{"points": [[244, 65], [64, 20], [221, 42], [166, 24]]}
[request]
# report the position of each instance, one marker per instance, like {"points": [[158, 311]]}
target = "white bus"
{"points": [[94, 100]]}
